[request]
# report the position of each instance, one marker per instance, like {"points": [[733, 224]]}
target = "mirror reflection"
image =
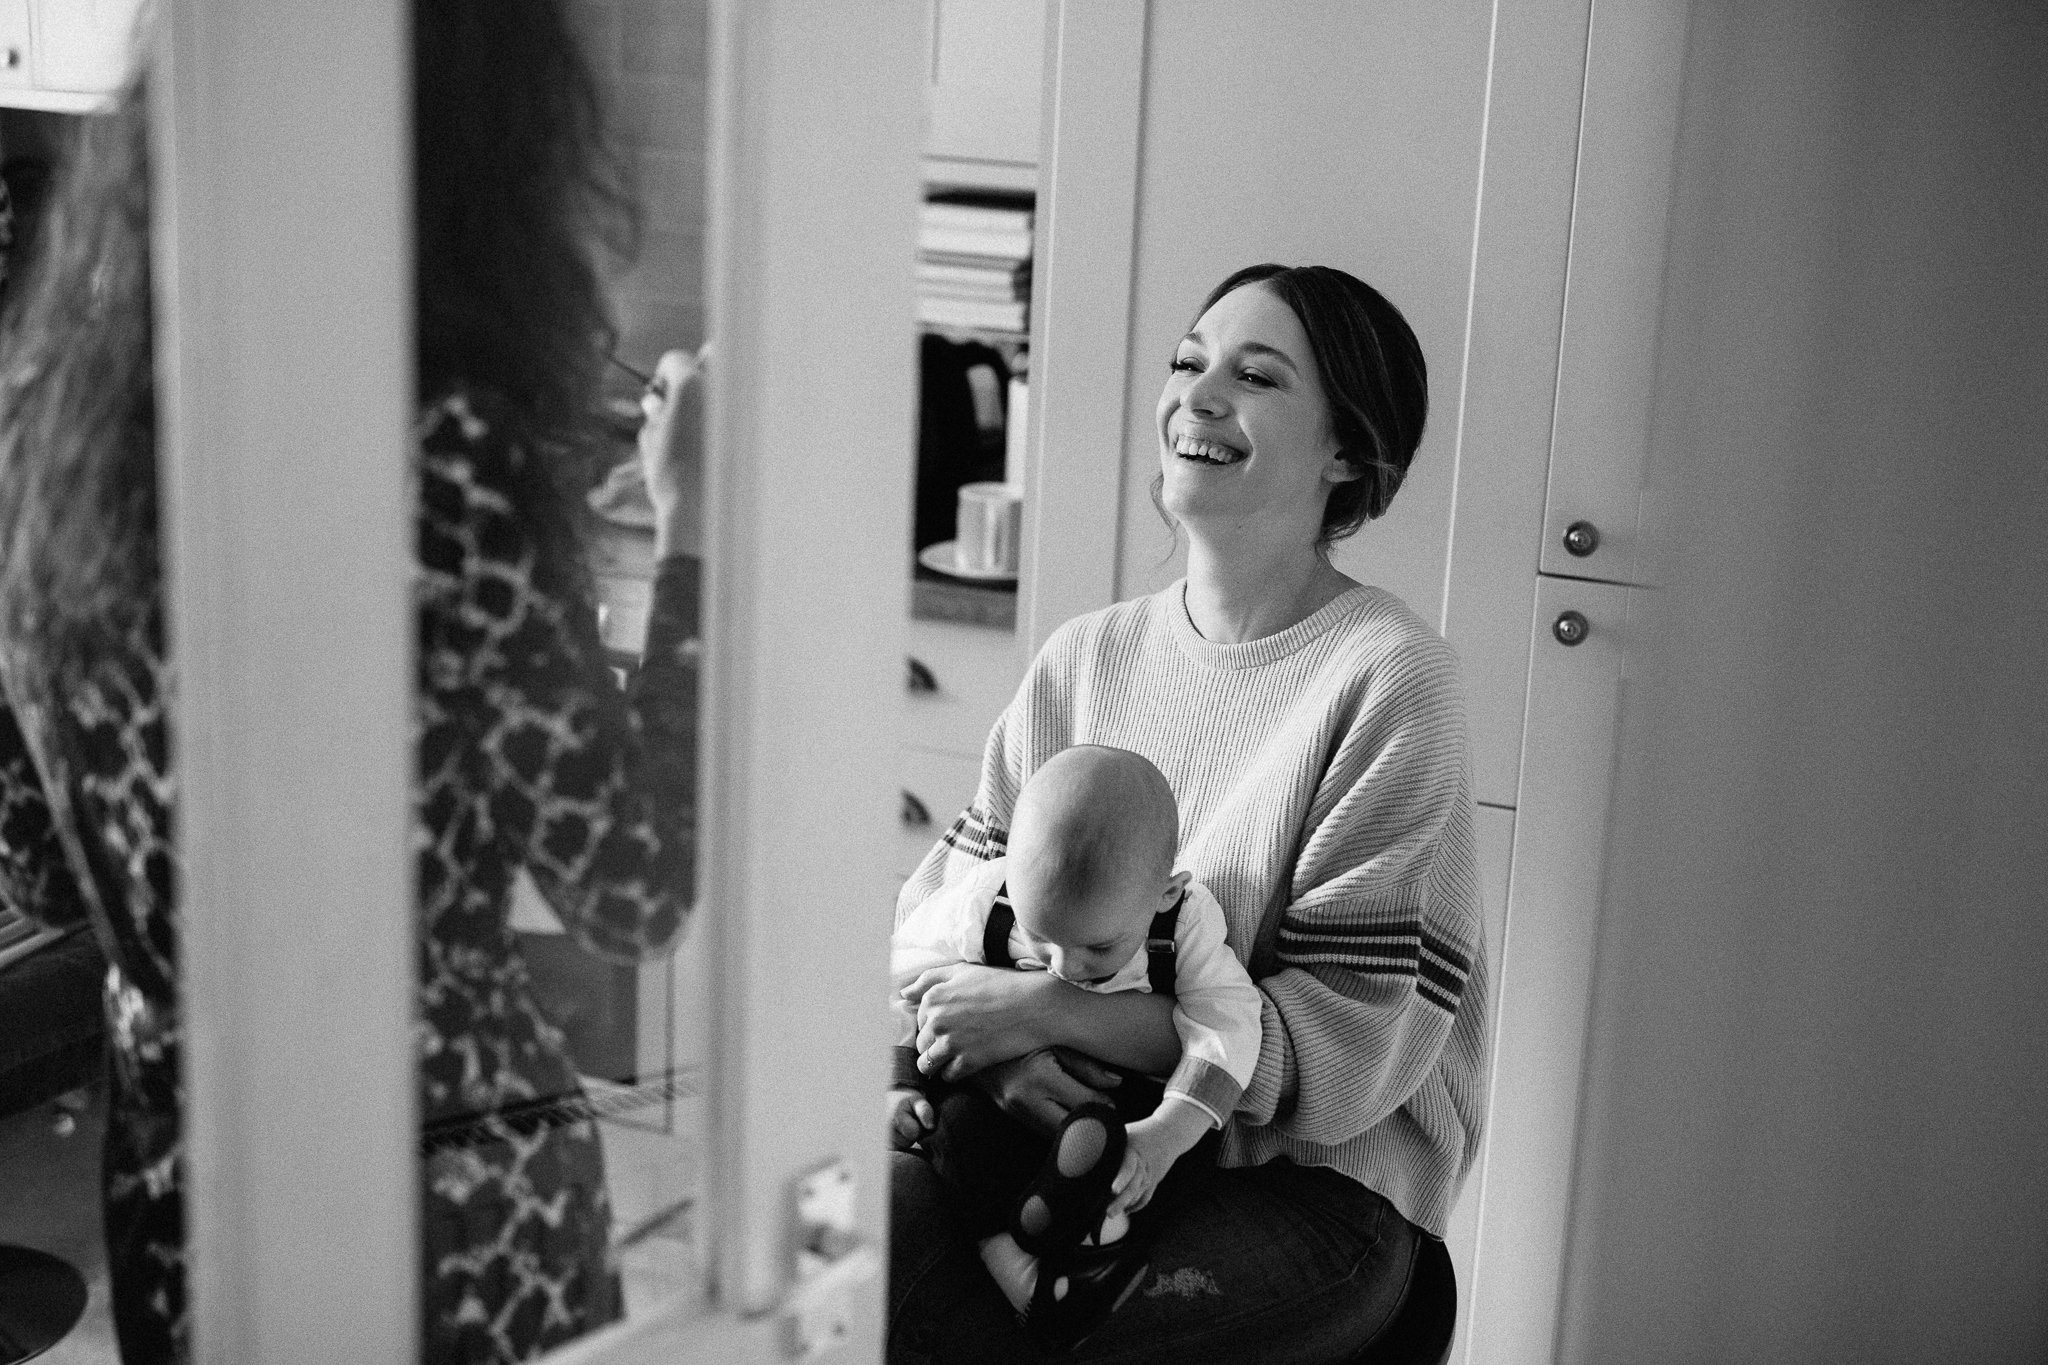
{"points": [[560, 352]]}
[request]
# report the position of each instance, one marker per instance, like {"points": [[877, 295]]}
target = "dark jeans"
{"points": [[1276, 1264]]}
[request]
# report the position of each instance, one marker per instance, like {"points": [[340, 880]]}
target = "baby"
{"points": [[1087, 893]]}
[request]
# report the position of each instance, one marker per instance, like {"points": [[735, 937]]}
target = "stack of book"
{"points": [[974, 263]]}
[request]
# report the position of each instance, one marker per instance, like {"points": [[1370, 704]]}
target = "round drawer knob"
{"points": [[918, 677], [1571, 628], [916, 815], [1581, 538]]}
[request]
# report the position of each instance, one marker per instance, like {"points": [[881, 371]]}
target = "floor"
{"points": [[49, 1200]]}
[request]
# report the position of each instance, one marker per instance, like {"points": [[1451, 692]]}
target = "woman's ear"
{"points": [[1177, 886], [1341, 470]]}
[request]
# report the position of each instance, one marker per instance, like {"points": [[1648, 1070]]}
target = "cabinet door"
{"points": [[1495, 828], [986, 57], [83, 45], [1546, 970], [1614, 290]]}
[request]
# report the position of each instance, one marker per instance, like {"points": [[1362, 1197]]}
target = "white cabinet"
{"points": [[1593, 508], [69, 55], [985, 81], [1545, 970], [959, 680]]}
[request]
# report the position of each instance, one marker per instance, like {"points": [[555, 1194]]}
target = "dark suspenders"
{"points": [[1159, 958]]}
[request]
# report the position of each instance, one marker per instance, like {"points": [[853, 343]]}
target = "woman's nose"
{"points": [[1206, 395]]}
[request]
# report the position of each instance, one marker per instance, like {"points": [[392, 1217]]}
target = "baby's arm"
{"points": [[1153, 1144], [1216, 1012]]}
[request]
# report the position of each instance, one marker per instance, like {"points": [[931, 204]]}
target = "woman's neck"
{"points": [[1238, 593]]}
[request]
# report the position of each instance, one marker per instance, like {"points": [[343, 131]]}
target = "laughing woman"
{"points": [[1312, 729]]}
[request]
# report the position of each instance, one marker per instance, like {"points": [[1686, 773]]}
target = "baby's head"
{"points": [[1092, 844]]}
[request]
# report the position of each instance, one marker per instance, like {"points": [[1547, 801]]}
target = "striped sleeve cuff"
{"points": [[977, 836], [1205, 1085], [1400, 948]]}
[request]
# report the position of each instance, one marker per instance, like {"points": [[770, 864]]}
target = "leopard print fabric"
{"points": [[529, 756], [104, 742]]}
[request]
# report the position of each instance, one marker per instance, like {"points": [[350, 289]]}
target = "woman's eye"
{"points": [[1254, 377], [1185, 364]]}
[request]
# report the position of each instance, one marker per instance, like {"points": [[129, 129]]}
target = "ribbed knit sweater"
{"points": [[1325, 799]]}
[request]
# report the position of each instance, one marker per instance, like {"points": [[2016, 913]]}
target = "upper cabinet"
{"points": [[985, 87], [1599, 500], [67, 55]]}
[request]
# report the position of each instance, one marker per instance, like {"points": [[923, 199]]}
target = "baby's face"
{"points": [[1086, 940]]}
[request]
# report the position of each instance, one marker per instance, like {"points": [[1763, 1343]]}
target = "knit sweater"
{"points": [[1325, 799]]}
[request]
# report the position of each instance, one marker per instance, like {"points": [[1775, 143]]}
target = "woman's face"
{"points": [[1245, 439]]}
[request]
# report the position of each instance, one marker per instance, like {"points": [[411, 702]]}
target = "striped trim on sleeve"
{"points": [[976, 836], [1403, 948]]}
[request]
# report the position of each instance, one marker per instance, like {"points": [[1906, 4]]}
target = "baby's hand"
{"points": [[1151, 1146], [910, 1118]]}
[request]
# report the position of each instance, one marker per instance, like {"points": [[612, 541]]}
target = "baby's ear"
{"points": [[1177, 885]]}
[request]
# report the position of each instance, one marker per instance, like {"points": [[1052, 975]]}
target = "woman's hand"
{"points": [[1040, 1088], [675, 477], [969, 1017]]}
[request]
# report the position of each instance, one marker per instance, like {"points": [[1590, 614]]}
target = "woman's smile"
{"points": [[1204, 450]]}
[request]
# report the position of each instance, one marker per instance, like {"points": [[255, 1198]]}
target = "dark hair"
{"points": [[513, 184], [516, 187], [1372, 372], [78, 488]]}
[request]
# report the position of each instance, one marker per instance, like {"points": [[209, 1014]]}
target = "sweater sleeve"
{"points": [[35, 876], [593, 789], [1376, 942]]}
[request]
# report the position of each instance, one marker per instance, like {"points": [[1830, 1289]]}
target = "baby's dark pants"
{"points": [[988, 1159]]}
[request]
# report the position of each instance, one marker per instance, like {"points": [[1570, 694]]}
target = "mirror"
{"points": [[563, 1015]]}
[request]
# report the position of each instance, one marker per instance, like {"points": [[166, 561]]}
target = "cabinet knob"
{"points": [[13, 58], [1581, 538], [1571, 628], [916, 815], [917, 677]]}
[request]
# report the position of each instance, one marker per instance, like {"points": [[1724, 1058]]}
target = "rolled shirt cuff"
{"points": [[1205, 1085]]}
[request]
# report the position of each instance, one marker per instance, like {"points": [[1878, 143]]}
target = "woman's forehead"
{"points": [[1253, 319]]}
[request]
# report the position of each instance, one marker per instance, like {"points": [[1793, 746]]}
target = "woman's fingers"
{"points": [[666, 462], [930, 977], [1087, 1070]]}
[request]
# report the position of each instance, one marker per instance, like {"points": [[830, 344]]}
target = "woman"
{"points": [[1312, 730], [528, 753]]}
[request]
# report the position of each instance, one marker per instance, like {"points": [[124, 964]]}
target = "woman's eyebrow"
{"points": [[1274, 352]]}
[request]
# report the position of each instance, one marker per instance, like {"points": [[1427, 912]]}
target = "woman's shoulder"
{"points": [[1108, 631], [1382, 637]]}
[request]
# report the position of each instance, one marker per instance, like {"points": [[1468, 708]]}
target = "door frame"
{"points": [[284, 313]]}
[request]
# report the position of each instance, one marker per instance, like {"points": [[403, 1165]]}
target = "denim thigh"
{"points": [[1276, 1264]]}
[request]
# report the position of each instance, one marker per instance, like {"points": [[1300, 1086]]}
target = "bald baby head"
{"points": [[1092, 845]]}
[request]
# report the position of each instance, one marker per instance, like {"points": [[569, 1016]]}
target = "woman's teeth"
{"points": [[1209, 452]]}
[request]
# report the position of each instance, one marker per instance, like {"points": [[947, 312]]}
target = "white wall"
{"points": [[1816, 1118], [1374, 169]]}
